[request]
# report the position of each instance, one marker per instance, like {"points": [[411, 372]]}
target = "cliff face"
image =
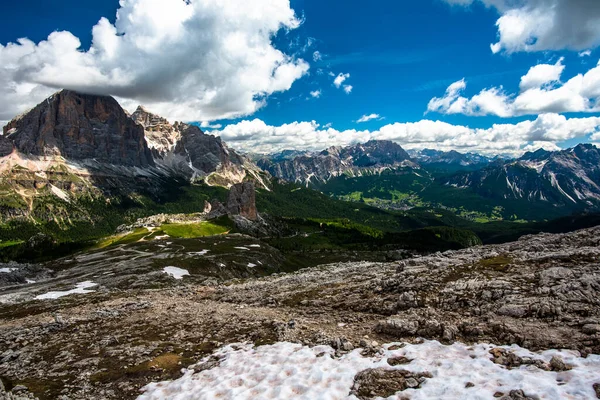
{"points": [[160, 134], [80, 127]]}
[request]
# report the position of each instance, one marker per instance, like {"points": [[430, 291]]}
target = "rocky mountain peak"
{"points": [[80, 126], [160, 134]]}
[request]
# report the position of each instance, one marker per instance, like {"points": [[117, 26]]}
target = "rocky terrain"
{"points": [[138, 324]]}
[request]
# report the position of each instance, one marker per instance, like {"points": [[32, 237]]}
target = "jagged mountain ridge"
{"points": [[184, 149], [564, 178], [356, 160]]}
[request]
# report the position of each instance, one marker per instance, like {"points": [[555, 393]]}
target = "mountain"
{"points": [[568, 178], [76, 156], [80, 127], [184, 150], [357, 160], [449, 161]]}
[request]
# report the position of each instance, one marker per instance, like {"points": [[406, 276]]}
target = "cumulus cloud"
{"points": [[348, 89], [539, 25], [541, 91], [541, 75], [316, 94], [545, 131], [370, 117], [189, 60], [341, 78]]}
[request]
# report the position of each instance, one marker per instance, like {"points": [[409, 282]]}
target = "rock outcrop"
{"points": [[78, 126], [160, 134], [242, 201]]}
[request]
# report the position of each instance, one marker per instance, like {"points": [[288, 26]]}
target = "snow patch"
{"points": [[81, 288], [175, 272], [61, 194], [250, 265], [199, 253], [255, 246], [241, 248], [555, 183], [293, 371], [7, 270]]}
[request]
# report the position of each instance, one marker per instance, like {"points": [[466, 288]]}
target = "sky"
{"points": [[489, 76]]}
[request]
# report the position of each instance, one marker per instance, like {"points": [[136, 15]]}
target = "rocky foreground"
{"points": [[539, 293]]}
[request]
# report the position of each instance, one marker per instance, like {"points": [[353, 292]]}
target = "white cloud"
{"points": [[348, 89], [341, 78], [539, 25], [370, 117], [545, 131], [541, 75], [585, 53], [541, 92], [316, 94], [208, 125], [317, 56], [201, 60]]}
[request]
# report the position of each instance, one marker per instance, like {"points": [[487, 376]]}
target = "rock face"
{"points": [[80, 127], [204, 152], [6, 146], [242, 201], [359, 159], [184, 150], [160, 134]]}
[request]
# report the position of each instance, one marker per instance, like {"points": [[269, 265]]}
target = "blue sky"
{"points": [[399, 55]]}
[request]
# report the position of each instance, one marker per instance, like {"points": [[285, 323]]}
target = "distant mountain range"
{"points": [[567, 178], [74, 146], [357, 160]]}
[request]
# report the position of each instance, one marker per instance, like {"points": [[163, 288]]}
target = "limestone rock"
{"points": [[242, 201], [78, 126]]}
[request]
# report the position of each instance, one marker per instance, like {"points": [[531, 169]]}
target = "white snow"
{"points": [[241, 248], [250, 265], [537, 165], [199, 253], [257, 246], [160, 237], [29, 281], [175, 272], [293, 371], [7, 270], [555, 183], [81, 288]]}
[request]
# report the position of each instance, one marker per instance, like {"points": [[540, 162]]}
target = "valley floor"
{"points": [[539, 293]]}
